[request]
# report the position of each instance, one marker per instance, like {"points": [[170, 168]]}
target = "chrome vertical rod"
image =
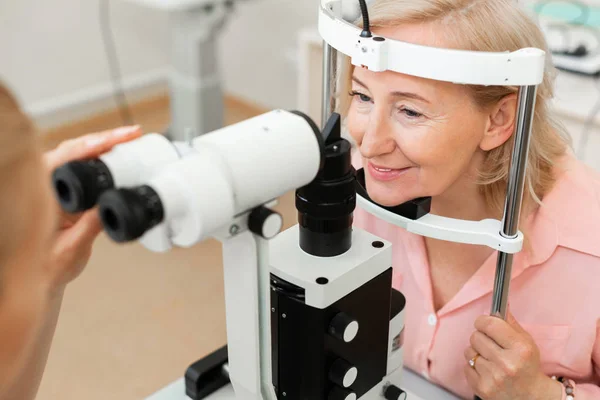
{"points": [[329, 82], [514, 196]]}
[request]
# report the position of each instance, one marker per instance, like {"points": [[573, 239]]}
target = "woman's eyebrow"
{"points": [[408, 95]]}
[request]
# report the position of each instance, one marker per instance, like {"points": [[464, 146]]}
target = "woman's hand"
{"points": [[508, 366], [72, 244]]}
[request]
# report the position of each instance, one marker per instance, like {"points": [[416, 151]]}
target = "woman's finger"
{"points": [[89, 146], [512, 321], [482, 365], [79, 237], [498, 330], [482, 386], [485, 346], [85, 231], [480, 377], [472, 377]]}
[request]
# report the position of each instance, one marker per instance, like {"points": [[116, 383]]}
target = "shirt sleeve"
{"points": [[590, 391]]}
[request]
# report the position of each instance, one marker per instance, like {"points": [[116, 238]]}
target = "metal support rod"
{"points": [[329, 82], [514, 197]]}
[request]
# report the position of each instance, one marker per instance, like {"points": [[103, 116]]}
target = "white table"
{"points": [[416, 388]]}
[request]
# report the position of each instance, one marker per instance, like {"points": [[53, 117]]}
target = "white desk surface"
{"points": [[416, 388]]}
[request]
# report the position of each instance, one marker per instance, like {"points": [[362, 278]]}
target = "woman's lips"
{"points": [[384, 174]]}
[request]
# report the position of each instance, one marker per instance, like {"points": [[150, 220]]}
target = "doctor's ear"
{"points": [[501, 123]]}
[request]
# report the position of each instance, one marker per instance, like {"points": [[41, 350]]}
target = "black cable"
{"points": [[365, 15], [113, 63]]}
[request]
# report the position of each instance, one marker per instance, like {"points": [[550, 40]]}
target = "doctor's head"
{"points": [[419, 137], [27, 225]]}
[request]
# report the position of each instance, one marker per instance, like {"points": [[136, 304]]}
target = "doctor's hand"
{"points": [[75, 234], [507, 363]]}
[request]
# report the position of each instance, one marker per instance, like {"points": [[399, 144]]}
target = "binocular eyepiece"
{"points": [[193, 189], [79, 184], [127, 214]]}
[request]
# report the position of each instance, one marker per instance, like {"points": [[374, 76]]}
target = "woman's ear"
{"points": [[501, 123]]}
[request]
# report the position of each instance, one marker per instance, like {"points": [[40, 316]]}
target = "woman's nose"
{"points": [[378, 138]]}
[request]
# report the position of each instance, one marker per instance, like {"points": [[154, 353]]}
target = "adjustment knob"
{"points": [[394, 393], [343, 327], [264, 222], [343, 373], [337, 393]]}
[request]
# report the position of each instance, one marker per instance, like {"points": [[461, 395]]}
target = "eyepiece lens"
{"points": [[63, 191], [79, 184], [110, 219], [127, 214]]}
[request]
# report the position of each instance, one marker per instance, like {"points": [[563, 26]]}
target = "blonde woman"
{"points": [[41, 249], [417, 137]]}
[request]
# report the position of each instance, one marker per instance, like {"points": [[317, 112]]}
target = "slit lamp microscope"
{"points": [[310, 312]]}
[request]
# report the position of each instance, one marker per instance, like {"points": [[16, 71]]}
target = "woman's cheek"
{"points": [[416, 145], [356, 124]]}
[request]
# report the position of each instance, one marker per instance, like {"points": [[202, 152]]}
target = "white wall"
{"points": [[259, 50], [52, 55], [51, 52]]}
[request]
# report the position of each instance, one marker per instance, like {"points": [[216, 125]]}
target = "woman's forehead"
{"points": [[390, 81]]}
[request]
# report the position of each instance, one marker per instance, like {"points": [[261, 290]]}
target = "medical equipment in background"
{"points": [[573, 34], [303, 297], [196, 91], [572, 30]]}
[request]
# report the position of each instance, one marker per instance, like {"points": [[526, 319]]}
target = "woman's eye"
{"points": [[411, 113], [362, 97]]}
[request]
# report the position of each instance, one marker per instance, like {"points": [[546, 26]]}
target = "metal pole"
{"points": [[329, 82], [514, 197]]}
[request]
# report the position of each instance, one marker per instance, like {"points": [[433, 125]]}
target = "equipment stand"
{"points": [[195, 81], [195, 85]]}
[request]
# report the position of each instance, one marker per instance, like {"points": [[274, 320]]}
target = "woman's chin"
{"points": [[387, 199], [390, 194]]}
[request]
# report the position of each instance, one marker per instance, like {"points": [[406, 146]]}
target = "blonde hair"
{"points": [[18, 144], [491, 26]]}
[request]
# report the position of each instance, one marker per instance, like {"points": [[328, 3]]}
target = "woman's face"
{"points": [[417, 137]]}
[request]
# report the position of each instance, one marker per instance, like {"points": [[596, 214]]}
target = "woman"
{"points": [[417, 137], [41, 249]]}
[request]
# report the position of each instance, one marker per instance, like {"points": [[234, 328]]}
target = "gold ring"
{"points": [[473, 360]]}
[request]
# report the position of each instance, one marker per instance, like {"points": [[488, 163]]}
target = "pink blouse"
{"points": [[555, 290]]}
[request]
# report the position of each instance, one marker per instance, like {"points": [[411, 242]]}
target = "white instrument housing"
{"points": [[231, 171], [520, 68], [132, 162]]}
